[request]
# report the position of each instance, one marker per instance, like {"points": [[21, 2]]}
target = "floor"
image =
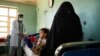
{"points": [[4, 55]]}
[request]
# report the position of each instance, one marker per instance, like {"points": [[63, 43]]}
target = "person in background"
{"points": [[17, 34], [43, 34]]}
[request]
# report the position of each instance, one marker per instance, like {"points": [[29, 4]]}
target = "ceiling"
{"points": [[32, 2]]}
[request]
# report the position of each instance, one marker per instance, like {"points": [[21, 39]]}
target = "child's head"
{"points": [[43, 32]]}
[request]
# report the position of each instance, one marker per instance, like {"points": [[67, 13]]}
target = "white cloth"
{"points": [[42, 41], [14, 34], [28, 51]]}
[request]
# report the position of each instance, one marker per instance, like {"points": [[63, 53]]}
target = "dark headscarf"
{"points": [[66, 27]]}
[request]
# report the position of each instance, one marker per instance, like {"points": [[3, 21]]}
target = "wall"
{"points": [[88, 10], [29, 12]]}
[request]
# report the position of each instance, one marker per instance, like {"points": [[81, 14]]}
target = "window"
{"points": [[7, 16]]}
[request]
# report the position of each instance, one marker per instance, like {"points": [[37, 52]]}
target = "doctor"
{"points": [[17, 34]]}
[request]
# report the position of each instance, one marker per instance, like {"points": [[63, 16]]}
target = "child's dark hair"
{"points": [[45, 30]]}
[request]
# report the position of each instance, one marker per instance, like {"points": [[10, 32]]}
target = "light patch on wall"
{"points": [[49, 18]]}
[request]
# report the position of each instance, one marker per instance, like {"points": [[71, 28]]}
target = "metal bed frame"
{"points": [[72, 44]]}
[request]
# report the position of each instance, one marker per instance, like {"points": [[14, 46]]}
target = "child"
{"points": [[43, 34]]}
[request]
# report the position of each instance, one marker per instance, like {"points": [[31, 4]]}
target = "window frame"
{"points": [[8, 18]]}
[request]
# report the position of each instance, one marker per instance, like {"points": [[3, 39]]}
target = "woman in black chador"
{"points": [[66, 27]]}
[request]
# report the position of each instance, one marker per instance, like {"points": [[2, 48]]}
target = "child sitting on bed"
{"points": [[43, 34]]}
